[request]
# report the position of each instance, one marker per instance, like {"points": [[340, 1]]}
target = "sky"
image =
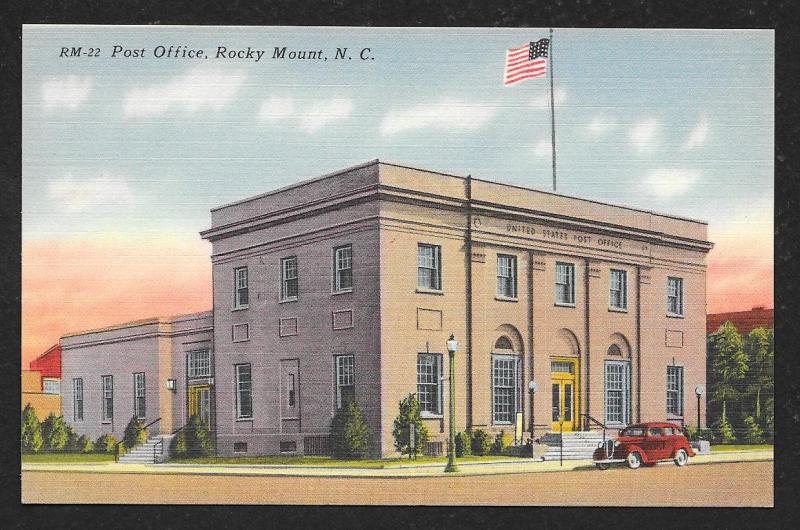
{"points": [[123, 157]]}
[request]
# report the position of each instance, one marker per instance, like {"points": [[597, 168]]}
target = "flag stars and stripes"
{"points": [[524, 62]]}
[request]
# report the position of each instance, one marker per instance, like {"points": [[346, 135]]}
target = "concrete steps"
{"points": [[144, 453], [578, 445]]}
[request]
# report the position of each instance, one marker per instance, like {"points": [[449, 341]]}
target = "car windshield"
{"points": [[632, 431]]}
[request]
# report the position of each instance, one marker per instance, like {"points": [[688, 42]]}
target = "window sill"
{"points": [[287, 300], [506, 298], [431, 416], [240, 308], [244, 419], [342, 291], [618, 309], [106, 422], [502, 423], [674, 315], [424, 290], [562, 304], [241, 340]]}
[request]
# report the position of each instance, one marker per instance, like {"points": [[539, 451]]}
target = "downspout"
{"points": [[638, 344], [468, 293], [530, 371]]}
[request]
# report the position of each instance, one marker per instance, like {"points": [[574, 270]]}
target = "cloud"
{"points": [[197, 90], [666, 182], [324, 113], [697, 137], [81, 194], [276, 109], [644, 135], [600, 125], [543, 100], [446, 115], [66, 92]]}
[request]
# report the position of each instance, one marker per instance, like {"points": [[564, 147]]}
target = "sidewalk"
{"points": [[497, 467]]}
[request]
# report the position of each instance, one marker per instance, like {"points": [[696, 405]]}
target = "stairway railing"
{"points": [[117, 445], [588, 421]]}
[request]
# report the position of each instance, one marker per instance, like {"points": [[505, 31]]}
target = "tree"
{"points": [[401, 430], [54, 433], [105, 444], [728, 364], [759, 346], [349, 432], [134, 433], [31, 437], [199, 442]]}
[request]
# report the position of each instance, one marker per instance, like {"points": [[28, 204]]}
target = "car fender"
{"points": [[635, 448], [687, 447]]}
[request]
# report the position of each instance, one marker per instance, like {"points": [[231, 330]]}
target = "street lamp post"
{"points": [[532, 388], [698, 390], [452, 467]]}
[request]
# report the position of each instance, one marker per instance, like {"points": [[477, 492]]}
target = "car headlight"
{"points": [[599, 445], [616, 443]]}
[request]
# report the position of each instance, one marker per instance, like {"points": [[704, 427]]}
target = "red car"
{"points": [[645, 444]]}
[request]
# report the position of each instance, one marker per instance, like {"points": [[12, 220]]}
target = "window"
{"points": [[290, 389], [562, 366], [655, 432], [77, 399], [244, 392], [241, 298], [675, 296], [345, 380], [618, 298], [429, 267], [139, 396], [51, 386], [565, 283], [239, 447], [618, 392], [429, 383], [199, 363], [505, 388], [506, 276], [289, 281], [632, 431], [108, 398], [343, 268], [675, 390], [288, 447]]}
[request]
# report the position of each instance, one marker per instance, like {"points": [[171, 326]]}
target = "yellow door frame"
{"points": [[193, 404], [562, 379]]}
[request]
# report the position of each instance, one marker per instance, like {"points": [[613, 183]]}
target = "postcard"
{"points": [[415, 266]]}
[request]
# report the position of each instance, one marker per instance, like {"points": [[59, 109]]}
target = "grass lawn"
{"points": [[66, 458], [736, 447], [328, 461]]}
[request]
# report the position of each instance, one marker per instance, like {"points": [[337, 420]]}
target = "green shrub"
{"points": [[481, 443], [72, 440], [502, 441], [134, 433], [463, 444], [177, 447], [753, 433], [401, 430], [105, 444], [699, 434], [349, 433], [31, 437], [723, 432], [84, 445], [54, 433], [199, 442]]}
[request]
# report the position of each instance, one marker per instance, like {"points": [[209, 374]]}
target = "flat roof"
{"points": [[143, 322]]}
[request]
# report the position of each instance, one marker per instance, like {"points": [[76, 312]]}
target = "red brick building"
{"points": [[745, 321]]}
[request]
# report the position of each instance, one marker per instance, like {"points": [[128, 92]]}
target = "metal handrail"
{"points": [[590, 420], [160, 444], [116, 445]]}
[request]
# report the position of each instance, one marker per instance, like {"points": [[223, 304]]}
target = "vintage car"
{"points": [[645, 444]]}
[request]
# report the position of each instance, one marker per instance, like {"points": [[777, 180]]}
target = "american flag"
{"points": [[529, 60]]}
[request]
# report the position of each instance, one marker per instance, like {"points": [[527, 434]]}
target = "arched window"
{"points": [[614, 350], [503, 343]]}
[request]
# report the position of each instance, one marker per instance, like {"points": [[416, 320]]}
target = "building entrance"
{"points": [[564, 388], [200, 402]]}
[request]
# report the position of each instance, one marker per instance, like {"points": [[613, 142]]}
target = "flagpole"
{"points": [[552, 109]]}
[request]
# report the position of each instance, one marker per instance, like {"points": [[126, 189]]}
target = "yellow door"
{"points": [[564, 383], [200, 402]]}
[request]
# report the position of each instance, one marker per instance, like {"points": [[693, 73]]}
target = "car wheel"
{"points": [[681, 458], [602, 466], [634, 460]]}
